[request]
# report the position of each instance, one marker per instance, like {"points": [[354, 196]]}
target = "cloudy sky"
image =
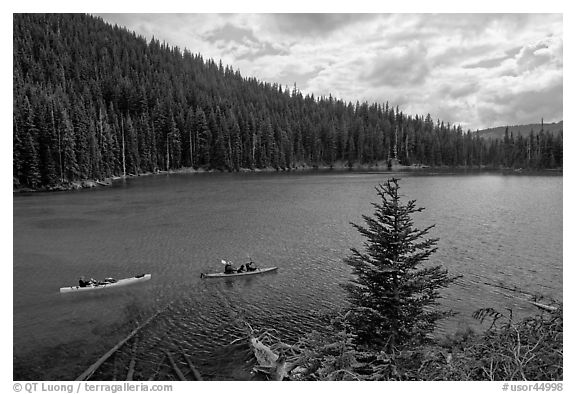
{"points": [[477, 70]]}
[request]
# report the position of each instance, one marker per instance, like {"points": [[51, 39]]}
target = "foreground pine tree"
{"points": [[395, 290]]}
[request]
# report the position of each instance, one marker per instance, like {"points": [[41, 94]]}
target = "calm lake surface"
{"points": [[493, 228]]}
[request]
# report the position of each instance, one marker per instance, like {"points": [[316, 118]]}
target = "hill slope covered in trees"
{"points": [[522, 130], [93, 101]]}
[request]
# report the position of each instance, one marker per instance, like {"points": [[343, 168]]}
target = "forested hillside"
{"points": [[93, 101], [523, 130]]}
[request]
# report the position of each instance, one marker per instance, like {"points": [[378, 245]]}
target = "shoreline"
{"points": [[338, 166]]}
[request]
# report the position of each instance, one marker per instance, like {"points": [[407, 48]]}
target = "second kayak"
{"points": [[223, 275]]}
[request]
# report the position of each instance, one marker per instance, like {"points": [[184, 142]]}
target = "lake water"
{"points": [[494, 229]]}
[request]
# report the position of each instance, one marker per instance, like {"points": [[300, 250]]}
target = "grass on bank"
{"points": [[530, 349]]}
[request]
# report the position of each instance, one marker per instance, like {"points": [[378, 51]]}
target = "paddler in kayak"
{"points": [[228, 269], [82, 282], [251, 266]]}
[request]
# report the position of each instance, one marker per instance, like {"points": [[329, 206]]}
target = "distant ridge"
{"points": [[523, 130]]}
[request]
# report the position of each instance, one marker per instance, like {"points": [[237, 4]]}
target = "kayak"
{"points": [[120, 282], [223, 275]]}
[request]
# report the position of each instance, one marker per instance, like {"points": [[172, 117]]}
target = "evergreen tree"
{"points": [[18, 149], [174, 146], [330, 144], [220, 155], [192, 137], [394, 289], [266, 144], [31, 162], [48, 166], [81, 127], [131, 147], [204, 137], [235, 143]]}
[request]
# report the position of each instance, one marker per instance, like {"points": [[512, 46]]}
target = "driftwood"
{"points": [[91, 369], [132, 365], [269, 362], [174, 366], [269, 359], [104, 183], [193, 368], [514, 289], [130, 375], [159, 366], [548, 308], [114, 368], [545, 307], [481, 279]]}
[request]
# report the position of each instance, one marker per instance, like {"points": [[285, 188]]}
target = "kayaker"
{"points": [[82, 282], [241, 269], [251, 266], [228, 269]]}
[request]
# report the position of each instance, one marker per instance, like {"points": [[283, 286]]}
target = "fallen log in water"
{"points": [[92, 368], [514, 289], [548, 308], [132, 365], [193, 368], [158, 367], [268, 362], [174, 366], [545, 307]]}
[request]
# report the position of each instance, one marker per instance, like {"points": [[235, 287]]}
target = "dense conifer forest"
{"points": [[93, 101], [523, 130]]}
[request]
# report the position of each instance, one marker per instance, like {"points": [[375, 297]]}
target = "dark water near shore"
{"points": [[493, 228]]}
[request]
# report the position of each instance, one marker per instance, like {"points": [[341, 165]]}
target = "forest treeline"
{"points": [[93, 101]]}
